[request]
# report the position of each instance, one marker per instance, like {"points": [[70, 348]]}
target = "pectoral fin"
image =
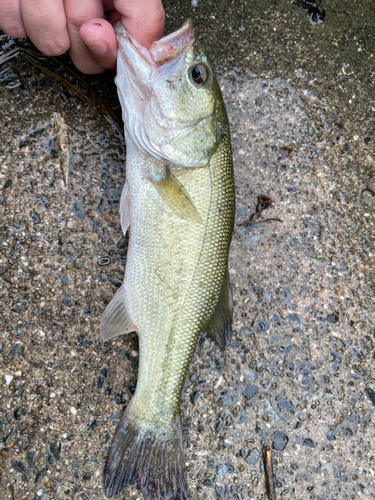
{"points": [[220, 324], [176, 197], [125, 208], [116, 320]]}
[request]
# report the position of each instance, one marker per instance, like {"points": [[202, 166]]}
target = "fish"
{"points": [[178, 205]]}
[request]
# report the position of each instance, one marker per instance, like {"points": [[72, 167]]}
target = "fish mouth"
{"points": [[173, 45], [161, 51]]}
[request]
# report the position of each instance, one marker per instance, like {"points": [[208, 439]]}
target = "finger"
{"points": [[45, 24], [100, 39], [11, 19], [144, 19], [78, 13], [108, 5]]}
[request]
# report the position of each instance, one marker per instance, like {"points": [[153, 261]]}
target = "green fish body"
{"points": [[178, 203]]}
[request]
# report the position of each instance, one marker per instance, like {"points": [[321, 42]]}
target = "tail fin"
{"points": [[151, 458]]}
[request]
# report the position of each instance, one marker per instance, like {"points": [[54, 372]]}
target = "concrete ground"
{"points": [[299, 374]]}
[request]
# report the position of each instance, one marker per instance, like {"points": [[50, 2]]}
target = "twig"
{"points": [[8, 55], [270, 479], [65, 82], [263, 202], [42, 56], [258, 222], [11, 487]]}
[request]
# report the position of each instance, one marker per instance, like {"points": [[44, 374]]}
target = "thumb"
{"points": [[100, 39], [143, 19]]}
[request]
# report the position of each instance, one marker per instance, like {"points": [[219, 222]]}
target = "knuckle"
{"points": [[16, 32], [55, 50], [13, 27], [77, 21], [54, 46]]}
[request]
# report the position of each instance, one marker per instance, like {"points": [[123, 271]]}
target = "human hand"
{"points": [[82, 26]]}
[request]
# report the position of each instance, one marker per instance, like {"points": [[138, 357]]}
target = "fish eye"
{"points": [[198, 74]]}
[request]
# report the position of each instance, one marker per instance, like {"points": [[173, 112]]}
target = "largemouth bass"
{"points": [[178, 202]]}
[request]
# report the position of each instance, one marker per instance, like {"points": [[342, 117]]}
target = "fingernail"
{"points": [[98, 47]]}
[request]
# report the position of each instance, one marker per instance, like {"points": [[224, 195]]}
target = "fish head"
{"points": [[171, 102]]}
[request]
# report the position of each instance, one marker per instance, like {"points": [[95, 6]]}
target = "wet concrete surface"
{"points": [[299, 374]]}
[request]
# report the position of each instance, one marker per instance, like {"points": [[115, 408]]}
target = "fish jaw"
{"points": [[172, 45], [165, 114]]}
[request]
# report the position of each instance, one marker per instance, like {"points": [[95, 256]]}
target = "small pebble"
{"points": [[65, 279], [244, 332], [309, 443], [21, 467], [250, 375], [252, 456], [253, 241], [250, 391], [41, 474], [280, 440], [30, 458]]}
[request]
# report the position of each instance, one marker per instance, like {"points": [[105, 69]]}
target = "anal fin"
{"points": [[116, 320], [125, 208], [176, 197], [220, 324]]}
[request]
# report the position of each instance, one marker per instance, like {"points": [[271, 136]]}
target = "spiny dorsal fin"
{"points": [[220, 324], [125, 208], [176, 197], [116, 320]]}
